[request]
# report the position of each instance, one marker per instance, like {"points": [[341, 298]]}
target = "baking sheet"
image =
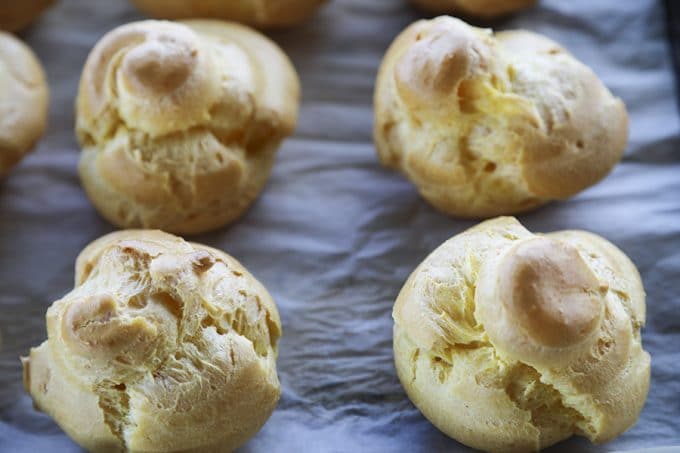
{"points": [[334, 236]]}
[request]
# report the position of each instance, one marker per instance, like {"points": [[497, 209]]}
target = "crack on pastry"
{"points": [[115, 405], [553, 419], [531, 338], [441, 367], [414, 362], [239, 321], [450, 98], [244, 320]]}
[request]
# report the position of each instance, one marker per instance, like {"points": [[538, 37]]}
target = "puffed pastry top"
{"points": [[510, 341], [487, 124], [258, 13], [24, 100], [17, 14], [179, 122], [479, 8], [162, 346]]}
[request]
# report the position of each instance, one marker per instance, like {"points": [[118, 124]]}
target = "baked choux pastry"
{"points": [[510, 341], [15, 15], [479, 8], [258, 13], [180, 122], [487, 124], [163, 345], [23, 101]]}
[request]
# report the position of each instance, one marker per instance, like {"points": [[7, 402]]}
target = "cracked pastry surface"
{"points": [[23, 101], [487, 124], [162, 345], [180, 122], [477, 8], [509, 341], [258, 13], [16, 15]]}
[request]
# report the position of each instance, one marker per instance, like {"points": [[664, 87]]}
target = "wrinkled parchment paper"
{"points": [[334, 235]]}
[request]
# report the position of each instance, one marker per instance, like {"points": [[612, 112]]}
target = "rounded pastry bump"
{"points": [[533, 338], [487, 124], [179, 122], [95, 328], [15, 16], [259, 13], [162, 345], [164, 81], [539, 302], [548, 289], [24, 99], [428, 71], [479, 8]]}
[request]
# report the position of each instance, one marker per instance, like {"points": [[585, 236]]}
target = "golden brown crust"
{"points": [[24, 100], [488, 124], [511, 341], [16, 15], [161, 346], [180, 122], [258, 13], [479, 8]]}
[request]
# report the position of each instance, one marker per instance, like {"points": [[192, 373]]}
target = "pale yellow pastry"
{"points": [[259, 13], [180, 122], [162, 346], [23, 101], [510, 341], [17, 14], [477, 8], [487, 124]]}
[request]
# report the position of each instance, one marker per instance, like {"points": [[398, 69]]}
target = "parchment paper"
{"points": [[334, 235]]}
